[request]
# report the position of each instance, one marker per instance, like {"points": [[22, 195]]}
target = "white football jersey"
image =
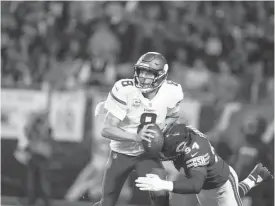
{"points": [[127, 103]]}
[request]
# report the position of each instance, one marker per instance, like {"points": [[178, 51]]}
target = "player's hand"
{"points": [[152, 182], [167, 124], [146, 134], [164, 127]]}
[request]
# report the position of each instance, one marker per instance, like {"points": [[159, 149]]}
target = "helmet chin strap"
{"points": [[147, 90]]}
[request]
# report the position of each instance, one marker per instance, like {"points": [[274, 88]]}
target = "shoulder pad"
{"points": [[176, 90], [123, 85], [172, 83]]}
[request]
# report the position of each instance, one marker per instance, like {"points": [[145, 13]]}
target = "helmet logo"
{"points": [[181, 147], [145, 65]]}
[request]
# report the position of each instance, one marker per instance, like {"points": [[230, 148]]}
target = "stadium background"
{"points": [[222, 53]]}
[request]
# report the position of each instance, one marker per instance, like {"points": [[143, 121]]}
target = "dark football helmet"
{"points": [[150, 72], [175, 142]]}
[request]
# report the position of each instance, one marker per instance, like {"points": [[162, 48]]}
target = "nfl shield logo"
{"points": [[136, 102]]}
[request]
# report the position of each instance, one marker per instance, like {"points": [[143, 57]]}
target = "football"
{"points": [[154, 147]]}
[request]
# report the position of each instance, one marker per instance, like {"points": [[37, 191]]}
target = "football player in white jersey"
{"points": [[131, 106]]}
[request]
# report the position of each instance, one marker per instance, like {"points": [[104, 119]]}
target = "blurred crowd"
{"points": [[213, 48]]}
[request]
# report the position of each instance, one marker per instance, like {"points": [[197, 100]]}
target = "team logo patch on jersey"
{"points": [[149, 110], [136, 102]]}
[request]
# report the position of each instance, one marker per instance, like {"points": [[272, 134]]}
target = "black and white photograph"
{"points": [[137, 103]]}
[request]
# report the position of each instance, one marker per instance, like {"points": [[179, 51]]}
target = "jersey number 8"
{"points": [[146, 118], [127, 83]]}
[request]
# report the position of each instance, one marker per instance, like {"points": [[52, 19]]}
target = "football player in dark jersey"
{"points": [[205, 172]]}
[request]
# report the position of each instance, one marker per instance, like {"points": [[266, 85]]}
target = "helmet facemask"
{"points": [[148, 79], [176, 140]]}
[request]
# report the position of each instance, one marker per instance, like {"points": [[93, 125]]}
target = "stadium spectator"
{"points": [[40, 149], [35, 34], [253, 150]]}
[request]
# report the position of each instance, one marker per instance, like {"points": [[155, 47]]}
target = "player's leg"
{"points": [[225, 195], [231, 192], [234, 182], [257, 175], [228, 194], [209, 197], [117, 170], [153, 165], [199, 202]]}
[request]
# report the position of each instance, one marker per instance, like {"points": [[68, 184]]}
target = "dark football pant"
{"points": [[118, 168]]}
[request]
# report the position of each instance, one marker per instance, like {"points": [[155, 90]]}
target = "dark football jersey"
{"points": [[198, 152]]}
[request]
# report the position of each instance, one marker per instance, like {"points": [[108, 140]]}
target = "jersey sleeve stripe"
{"points": [[190, 165], [243, 187], [117, 99], [253, 178], [198, 161], [206, 156], [172, 116], [198, 165]]}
